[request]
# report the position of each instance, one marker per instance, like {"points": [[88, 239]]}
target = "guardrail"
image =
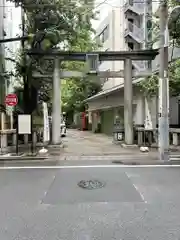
{"points": [[7, 134], [149, 137]]}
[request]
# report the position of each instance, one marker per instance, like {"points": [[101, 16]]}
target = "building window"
{"points": [[97, 39], [4, 33], [131, 20], [104, 34], [130, 46], [149, 24]]}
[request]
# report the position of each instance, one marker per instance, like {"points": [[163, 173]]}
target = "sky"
{"points": [[105, 6], [12, 24], [17, 20], [16, 15]]}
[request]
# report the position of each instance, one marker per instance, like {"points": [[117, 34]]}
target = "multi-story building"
{"points": [[111, 41], [10, 19], [138, 23], [2, 34], [127, 27], [12, 22]]}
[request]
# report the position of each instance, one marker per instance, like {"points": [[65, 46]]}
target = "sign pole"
{"points": [[17, 135], [11, 100], [32, 140]]}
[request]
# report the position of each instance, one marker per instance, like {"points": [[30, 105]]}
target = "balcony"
{"points": [[134, 32], [137, 8]]}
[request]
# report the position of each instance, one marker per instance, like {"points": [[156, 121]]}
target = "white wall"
{"points": [[1, 18], [173, 111], [1, 26], [145, 110], [2, 82], [114, 100]]}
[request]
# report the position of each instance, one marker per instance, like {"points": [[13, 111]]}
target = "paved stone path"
{"points": [[87, 145]]}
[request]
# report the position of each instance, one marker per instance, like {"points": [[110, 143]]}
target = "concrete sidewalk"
{"points": [[86, 146]]}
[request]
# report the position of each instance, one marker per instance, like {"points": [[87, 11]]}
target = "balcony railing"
{"points": [[135, 32], [137, 8]]}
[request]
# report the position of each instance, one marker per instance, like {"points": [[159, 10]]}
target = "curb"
{"points": [[28, 162], [22, 158], [155, 162]]}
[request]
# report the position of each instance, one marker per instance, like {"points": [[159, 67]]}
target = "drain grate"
{"points": [[91, 184], [117, 162], [125, 163], [135, 163]]}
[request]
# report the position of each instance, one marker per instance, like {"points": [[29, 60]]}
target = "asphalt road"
{"points": [[136, 203]]}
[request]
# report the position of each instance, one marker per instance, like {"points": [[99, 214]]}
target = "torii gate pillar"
{"points": [[128, 102], [56, 108]]}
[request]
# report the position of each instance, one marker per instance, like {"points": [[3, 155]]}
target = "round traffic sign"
{"points": [[11, 99]]}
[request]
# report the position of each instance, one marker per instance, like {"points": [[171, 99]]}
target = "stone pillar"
{"points": [[14, 136], [128, 102], [34, 138], [26, 138], [4, 142], [56, 112], [11, 120]]}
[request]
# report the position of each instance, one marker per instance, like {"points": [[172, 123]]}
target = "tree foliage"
{"points": [[75, 91], [149, 86], [49, 25]]}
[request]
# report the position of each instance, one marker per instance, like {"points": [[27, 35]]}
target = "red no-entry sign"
{"points": [[11, 100]]}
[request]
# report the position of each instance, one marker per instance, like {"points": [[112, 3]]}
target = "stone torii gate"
{"points": [[93, 58]]}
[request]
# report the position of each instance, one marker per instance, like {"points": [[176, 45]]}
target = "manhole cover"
{"points": [[91, 184]]}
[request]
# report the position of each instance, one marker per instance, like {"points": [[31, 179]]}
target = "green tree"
{"points": [[150, 84], [49, 25], [75, 91]]}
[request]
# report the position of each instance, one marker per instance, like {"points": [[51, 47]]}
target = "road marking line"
{"points": [[137, 189], [46, 192], [142, 196], [86, 166]]}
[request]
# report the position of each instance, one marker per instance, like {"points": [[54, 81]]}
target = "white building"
{"points": [[126, 28], [2, 82], [111, 37], [12, 21]]}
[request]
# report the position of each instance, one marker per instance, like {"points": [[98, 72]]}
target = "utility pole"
{"points": [[163, 128]]}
